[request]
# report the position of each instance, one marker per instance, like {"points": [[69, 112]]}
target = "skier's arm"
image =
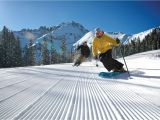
{"points": [[78, 47], [110, 40]]}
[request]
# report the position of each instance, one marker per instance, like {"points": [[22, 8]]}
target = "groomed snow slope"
{"points": [[63, 92]]}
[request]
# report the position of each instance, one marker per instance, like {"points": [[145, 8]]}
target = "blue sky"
{"points": [[128, 17]]}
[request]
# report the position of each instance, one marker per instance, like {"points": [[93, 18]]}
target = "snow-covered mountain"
{"points": [[123, 37], [140, 35], [70, 32]]}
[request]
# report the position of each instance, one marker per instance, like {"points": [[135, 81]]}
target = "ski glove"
{"points": [[118, 41]]}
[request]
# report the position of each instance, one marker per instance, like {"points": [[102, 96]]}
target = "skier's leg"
{"points": [[76, 60], [106, 61], [81, 59], [117, 64], [106, 64], [110, 63]]}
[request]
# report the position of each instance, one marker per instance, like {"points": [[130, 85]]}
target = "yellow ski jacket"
{"points": [[102, 44]]}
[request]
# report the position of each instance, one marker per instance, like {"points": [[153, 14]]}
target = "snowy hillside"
{"points": [[63, 92], [140, 35]]}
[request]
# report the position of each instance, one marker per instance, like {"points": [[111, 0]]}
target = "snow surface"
{"points": [[63, 92]]}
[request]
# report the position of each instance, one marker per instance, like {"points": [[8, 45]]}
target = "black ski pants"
{"points": [[108, 62]]}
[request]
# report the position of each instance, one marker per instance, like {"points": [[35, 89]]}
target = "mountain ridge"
{"points": [[72, 32]]}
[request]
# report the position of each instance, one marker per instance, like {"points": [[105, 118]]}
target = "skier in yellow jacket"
{"points": [[101, 45]]}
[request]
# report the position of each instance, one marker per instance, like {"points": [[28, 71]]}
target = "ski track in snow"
{"points": [[63, 92]]}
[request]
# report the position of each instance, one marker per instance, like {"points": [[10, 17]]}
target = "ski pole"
{"points": [[96, 63], [124, 61]]}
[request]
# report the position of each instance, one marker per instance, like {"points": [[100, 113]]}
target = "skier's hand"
{"points": [[118, 41]]}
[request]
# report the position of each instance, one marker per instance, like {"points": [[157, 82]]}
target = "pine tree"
{"points": [[10, 49], [138, 46], [54, 55], [155, 39], [133, 46], [6, 48], [149, 41], [143, 45], [146, 39], [45, 53], [1, 52], [126, 50], [25, 56], [63, 50], [158, 35], [17, 53], [30, 53]]}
